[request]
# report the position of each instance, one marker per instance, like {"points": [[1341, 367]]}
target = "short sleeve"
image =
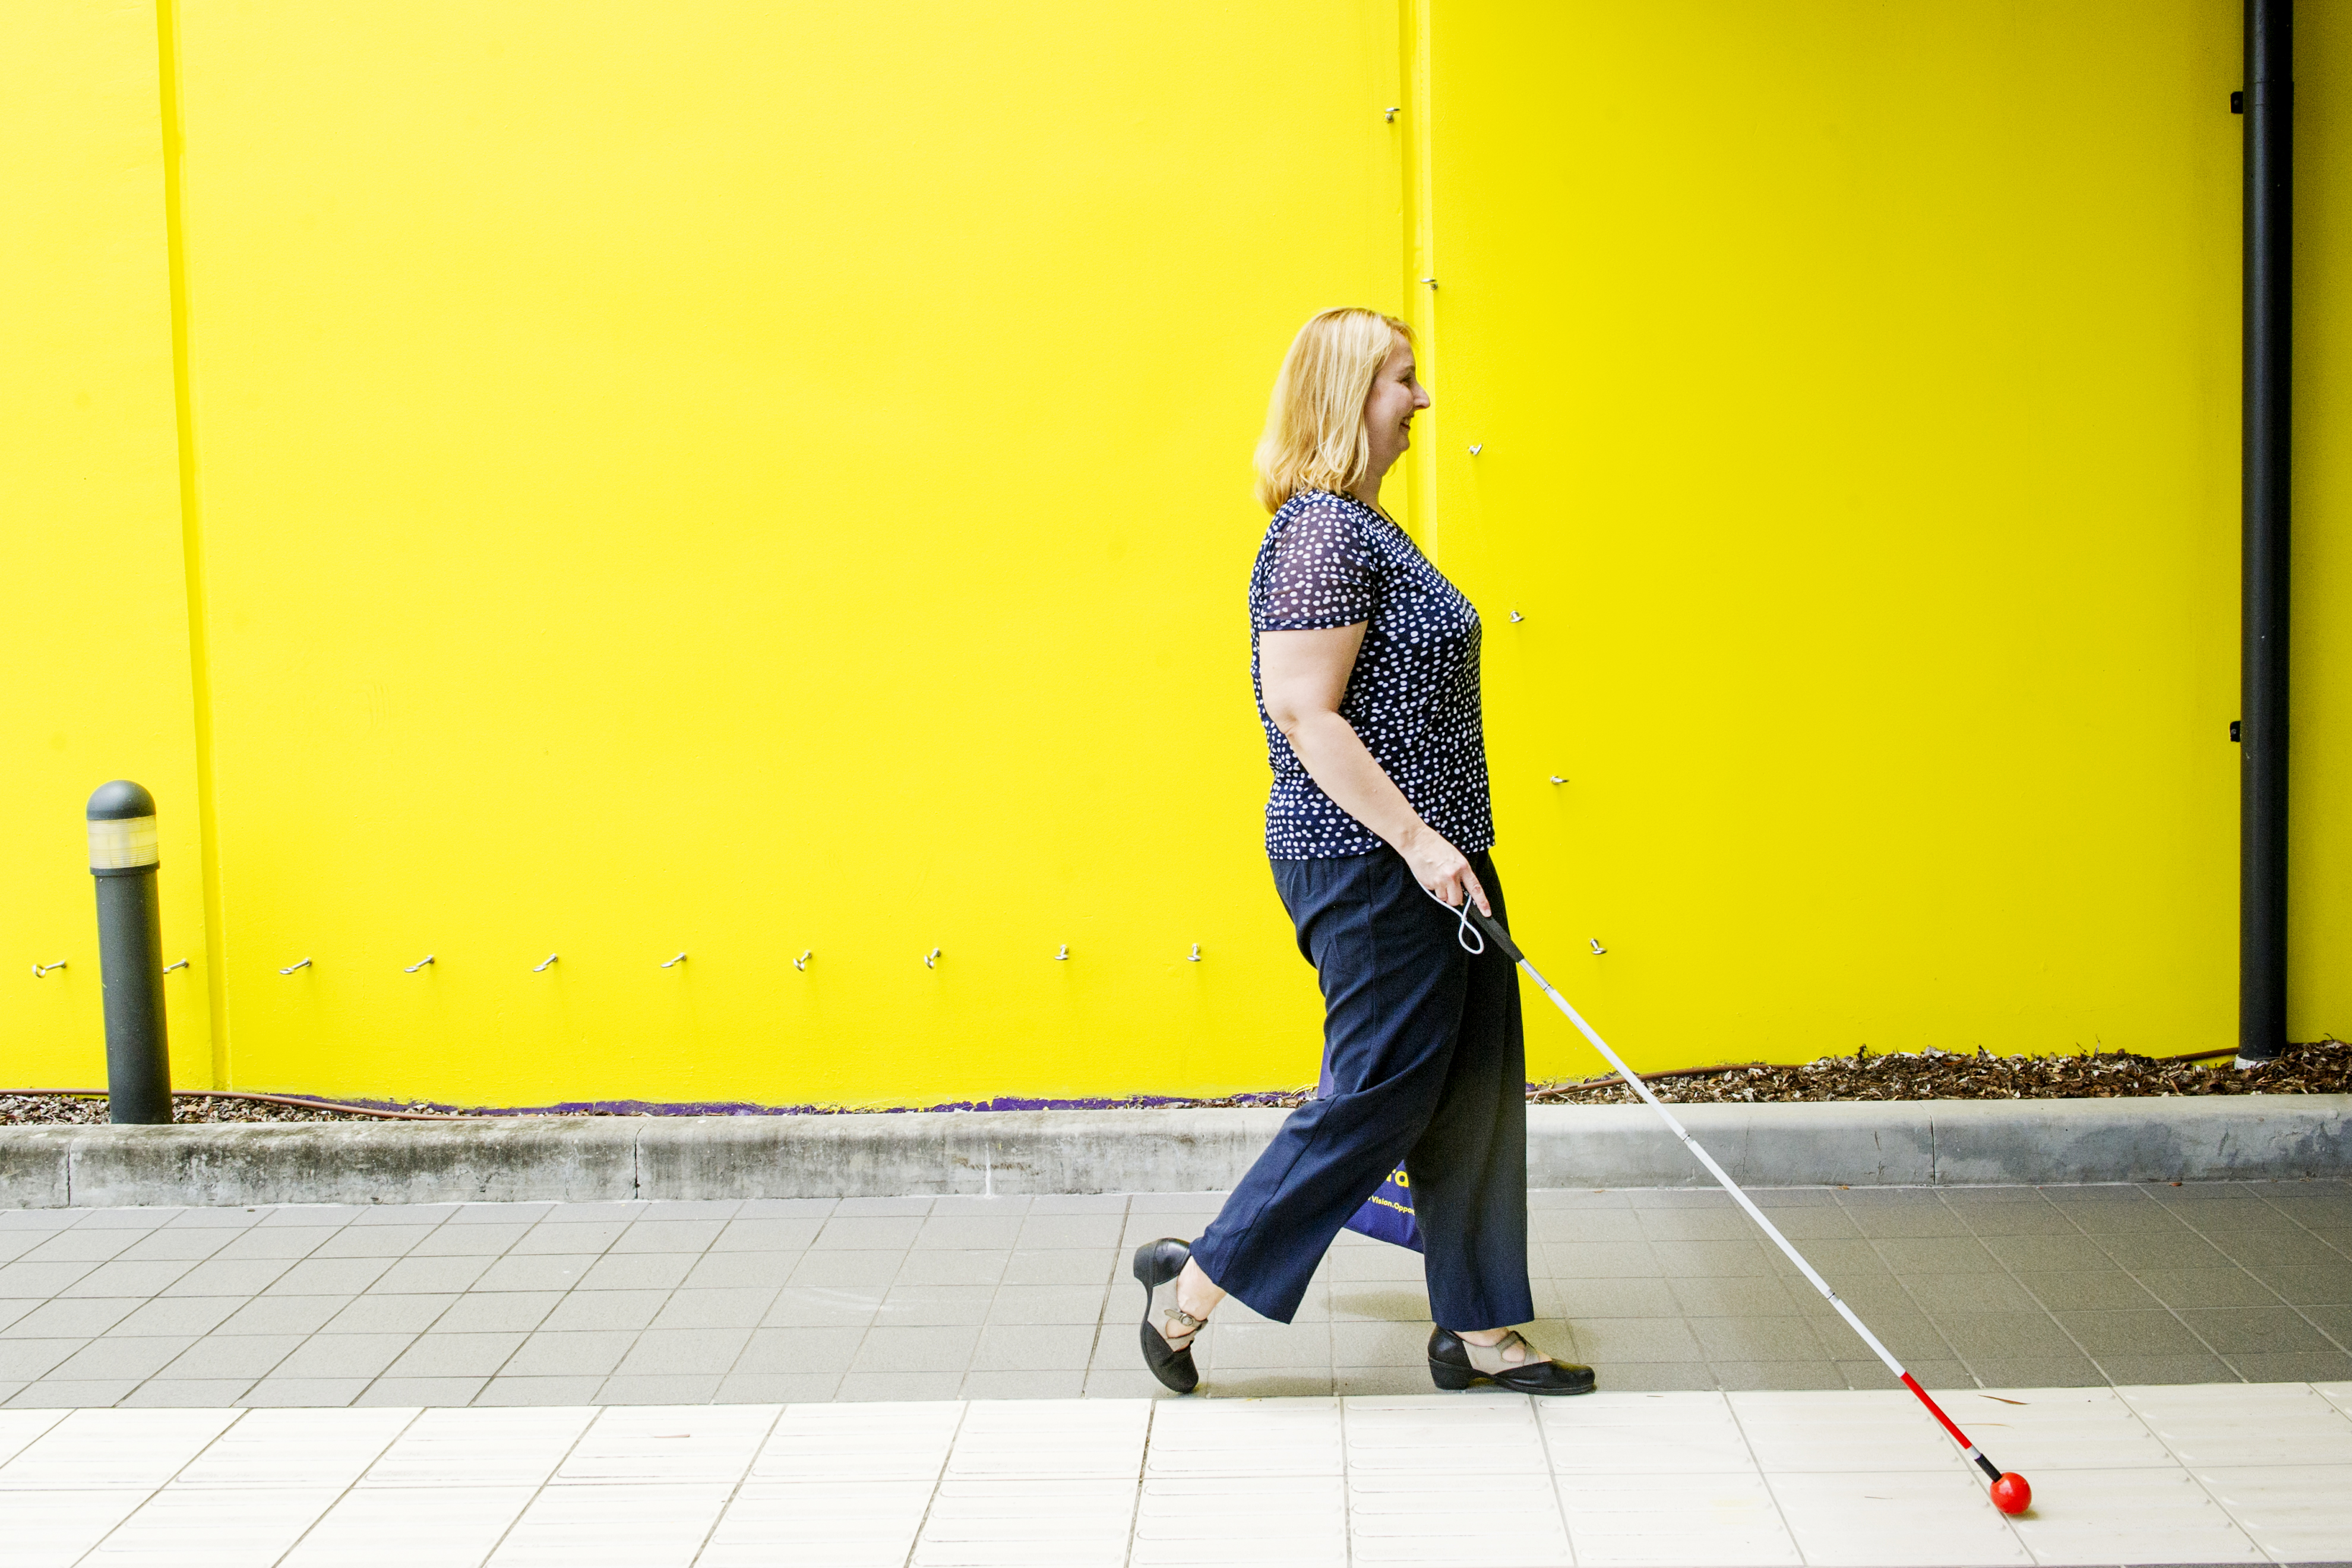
{"points": [[1318, 573]]}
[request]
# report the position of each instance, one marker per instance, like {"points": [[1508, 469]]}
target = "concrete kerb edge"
{"points": [[514, 1159]]}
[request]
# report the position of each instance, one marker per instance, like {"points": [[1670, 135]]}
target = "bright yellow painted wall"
{"points": [[1857, 392], [2319, 902], [93, 609], [748, 477]]}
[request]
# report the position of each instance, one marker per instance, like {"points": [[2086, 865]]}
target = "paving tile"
{"points": [[2237, 1329], [1060, 1265], [479, 1448], [928, 1306], [605, 1310], [968, 1232], [435, 1527], [1043, 1231], [2034, 1333], [2184, 1250], [284, 1314], [343, 1355], [637, 1271], [845, 1232], [65, 1392], [418, 1391], [23, 1360], [2138, 1333], [1759, 1340], [1741, 1296], [1616, 1339], [656, 1526], [851, 1268], [508, 1390], [1735, 1375], [30, 1279], [886, 1349], [1635, 1298], [2036, 1372], [617, 1212], [273, 1392], [120, 1279], [112, 1450], [1014, 1348], [1599, 1261], [547, 1271], [246, 1356], [373, 1240], [2300, 1286], [478, 1240], [775, 1388], [853, 1522], [923, 1268], [591, 1353], [83, 1244], [282, 1447], [179, 1315], [720, 1308], [2276, 1423], [739, 1271], [72, 1318], [1046, 1304], [800, 1350], [439, 1354], [287, 1242], [407, 1214], [712, 1445], [175, 1245], [767, 1234], [2086, 1289], [326, 1275], [899, 1386], [2290, 1366], [577, 1239], [2123, 1369], [185, 1392], [242, 1525], [666, 1236], [415, 1275], [2287, 1508], [675, 1352]]}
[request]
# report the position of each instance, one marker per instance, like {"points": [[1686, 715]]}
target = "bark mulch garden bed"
{"points": [[2322, 1066]]}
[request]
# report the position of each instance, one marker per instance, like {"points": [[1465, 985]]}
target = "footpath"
{"points": [[953, 1380]]}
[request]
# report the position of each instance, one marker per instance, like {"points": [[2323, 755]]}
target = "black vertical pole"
{"points": [[2269, 106], [123, 857]]}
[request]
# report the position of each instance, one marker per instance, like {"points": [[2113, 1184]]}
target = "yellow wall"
{"points": [[94, 603], [746, 478]]}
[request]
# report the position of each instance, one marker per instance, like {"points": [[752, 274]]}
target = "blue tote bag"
{"points": [[1387, 1214]]}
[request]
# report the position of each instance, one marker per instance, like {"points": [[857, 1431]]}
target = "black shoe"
{"points": [[1157, 1264], [1450, 1366]]}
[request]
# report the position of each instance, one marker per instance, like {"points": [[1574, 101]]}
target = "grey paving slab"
{"points": [[987, 1298]]}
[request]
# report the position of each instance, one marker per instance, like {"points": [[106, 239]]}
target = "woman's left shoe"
{"points": [[1168, 1353], [1509, 1362]]}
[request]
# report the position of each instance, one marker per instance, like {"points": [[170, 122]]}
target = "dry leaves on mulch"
{"points": [[2323, 1067]]}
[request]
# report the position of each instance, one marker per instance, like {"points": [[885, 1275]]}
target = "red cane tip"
{"points": [[2011, 1494]]}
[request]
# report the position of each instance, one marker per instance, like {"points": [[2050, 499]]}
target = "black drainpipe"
{"points": [[2268, 104]]}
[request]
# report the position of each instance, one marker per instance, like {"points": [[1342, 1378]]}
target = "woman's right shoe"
{"points": [[1169, 1357], [1455, 1364]]}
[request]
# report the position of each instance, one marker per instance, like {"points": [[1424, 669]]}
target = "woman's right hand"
{"points": [[1444, 869]]}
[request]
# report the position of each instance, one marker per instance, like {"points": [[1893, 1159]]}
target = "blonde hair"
{"points": [[1315, 437]]}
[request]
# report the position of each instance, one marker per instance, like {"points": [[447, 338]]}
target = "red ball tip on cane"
{"points": [[2011, 1494]]}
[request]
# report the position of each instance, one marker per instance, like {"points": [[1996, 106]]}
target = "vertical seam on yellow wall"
{"points": [[192, 542], [1421, 260]]}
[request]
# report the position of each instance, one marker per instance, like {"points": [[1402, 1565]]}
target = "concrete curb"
{"points": [[511, 1159]]}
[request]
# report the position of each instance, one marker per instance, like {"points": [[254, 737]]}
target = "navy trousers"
{"points": [[1424, 1065]]}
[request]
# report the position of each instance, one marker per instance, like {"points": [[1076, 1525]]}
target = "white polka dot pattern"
{"points": [[1330, 561]]}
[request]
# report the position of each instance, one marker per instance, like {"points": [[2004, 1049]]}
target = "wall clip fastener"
{"points": [[40, 970], [673, 962], [802, 961], [2237, 103], [1557, 780], [1478, 448], [1596, 945], [1393, 113], [1516, 617], [931, 959], [1430, 281], [299, 963], [1193, 957], [2236, 739], [420, 963], [181, 963], [543, 962], [1063, 954]]}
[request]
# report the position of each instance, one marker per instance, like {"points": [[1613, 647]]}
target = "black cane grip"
{"points": [[1496, 932]]}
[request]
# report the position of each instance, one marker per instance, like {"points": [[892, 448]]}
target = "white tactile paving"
{"points": [[2195, 1473]]}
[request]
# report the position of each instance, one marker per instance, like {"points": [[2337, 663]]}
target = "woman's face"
{"points": [[1396, 396]]}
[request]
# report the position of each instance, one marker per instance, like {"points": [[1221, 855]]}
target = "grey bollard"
{"points": [[124, 858]]}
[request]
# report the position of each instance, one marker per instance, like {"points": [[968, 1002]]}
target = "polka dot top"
{"points": [[1331, 561]]}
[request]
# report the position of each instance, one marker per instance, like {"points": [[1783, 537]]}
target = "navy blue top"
{"points": [[1331, 561]]}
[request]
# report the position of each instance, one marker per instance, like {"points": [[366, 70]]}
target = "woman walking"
{"points": [[1366, 663]]}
